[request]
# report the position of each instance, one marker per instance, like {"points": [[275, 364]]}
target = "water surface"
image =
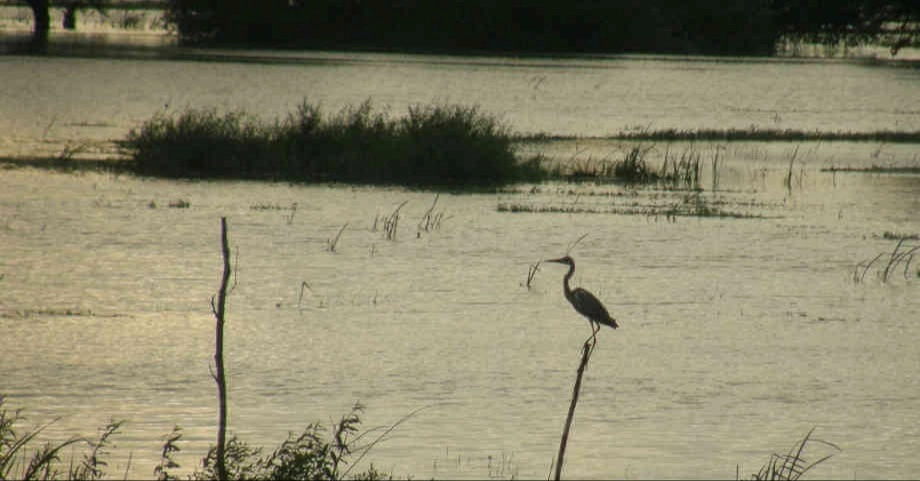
{"points": [[738, 334]]}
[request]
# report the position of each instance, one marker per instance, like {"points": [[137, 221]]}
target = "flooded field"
{"points": [[745, 316]]}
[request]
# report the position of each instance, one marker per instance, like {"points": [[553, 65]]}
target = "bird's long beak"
{"points": [[559, 260]]}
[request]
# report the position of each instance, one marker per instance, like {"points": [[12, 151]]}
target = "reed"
{"points": [[303, 286], [431, 145], [390, 222], [531, 273], [431, 220], [793, 465], [44, 462], [900, 255], [333, 242], [289, 219], [759, 134]]}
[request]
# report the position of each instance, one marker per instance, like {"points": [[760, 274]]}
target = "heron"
{"points": [[583, 301]]}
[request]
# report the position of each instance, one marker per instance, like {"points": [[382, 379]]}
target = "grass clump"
{"points": [[431, 145], [307, 456], [794, 464], [199, 142], [44, 462], [682, 170]]}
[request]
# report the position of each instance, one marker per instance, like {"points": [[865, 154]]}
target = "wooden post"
{"points": [[219, 376], [587, 349]]}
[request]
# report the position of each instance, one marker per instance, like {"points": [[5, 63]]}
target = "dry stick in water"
{"points": [[219, 377], [331, 243], [585, 356]]}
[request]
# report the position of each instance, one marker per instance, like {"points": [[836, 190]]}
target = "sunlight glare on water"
{"points": [[739, 333]]}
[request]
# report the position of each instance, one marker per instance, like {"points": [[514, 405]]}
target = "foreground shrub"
{"points": [[443, 144], [307, 456]]}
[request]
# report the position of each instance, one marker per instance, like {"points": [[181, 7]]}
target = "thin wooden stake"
{"points": [[585, 356], [220, 377]]}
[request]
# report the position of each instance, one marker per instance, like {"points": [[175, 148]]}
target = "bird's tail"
{"points": [[611, 322]]}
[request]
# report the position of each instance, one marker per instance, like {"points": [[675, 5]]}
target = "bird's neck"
{"points": [[568, 276]]}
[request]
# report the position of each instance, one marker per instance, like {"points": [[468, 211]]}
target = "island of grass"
{"points": [[431, 145]]}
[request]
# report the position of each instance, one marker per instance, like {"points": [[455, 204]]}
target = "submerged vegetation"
{"points": [[750, 134], [431, 145]]}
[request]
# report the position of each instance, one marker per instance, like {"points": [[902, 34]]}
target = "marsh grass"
{"points": [[332, 243], [677, 170], [794, 464], [752, 133], [390, 222], [20, 460], [532, 273], [431, 220], [692, 204], [875, 169], [684, 169], [430, 145], [900, 255]]}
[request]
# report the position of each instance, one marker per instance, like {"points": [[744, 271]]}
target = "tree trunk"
{"points": [[42, 25], [70, 17], [41, 16]]}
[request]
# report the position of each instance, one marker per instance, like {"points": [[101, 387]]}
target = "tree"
{"points": [[895, 23], [41, 27]]}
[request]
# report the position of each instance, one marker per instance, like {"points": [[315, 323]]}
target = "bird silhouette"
{"points": [[583, 301]]}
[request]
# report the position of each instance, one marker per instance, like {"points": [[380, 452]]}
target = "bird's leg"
{"points": [[594, 328]]}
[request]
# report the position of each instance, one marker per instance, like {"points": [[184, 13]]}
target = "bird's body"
{"points": [[583, 301]]}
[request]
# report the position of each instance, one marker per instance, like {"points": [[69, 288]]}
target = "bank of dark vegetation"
{"points": [[745, 27], [445, 145]]}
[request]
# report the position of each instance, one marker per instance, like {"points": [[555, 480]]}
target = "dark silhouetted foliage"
{"points": [[744, 26], [432, 145], [665, 26]]}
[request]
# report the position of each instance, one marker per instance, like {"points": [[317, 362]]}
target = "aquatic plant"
{"points": [[694, 204], [390, 222], [199, 143], [875, 169], [793, 465], [682, 170], [431, 220], [431, 145], [333, 242], [896, 257], [760, 134], [532, 272]]}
